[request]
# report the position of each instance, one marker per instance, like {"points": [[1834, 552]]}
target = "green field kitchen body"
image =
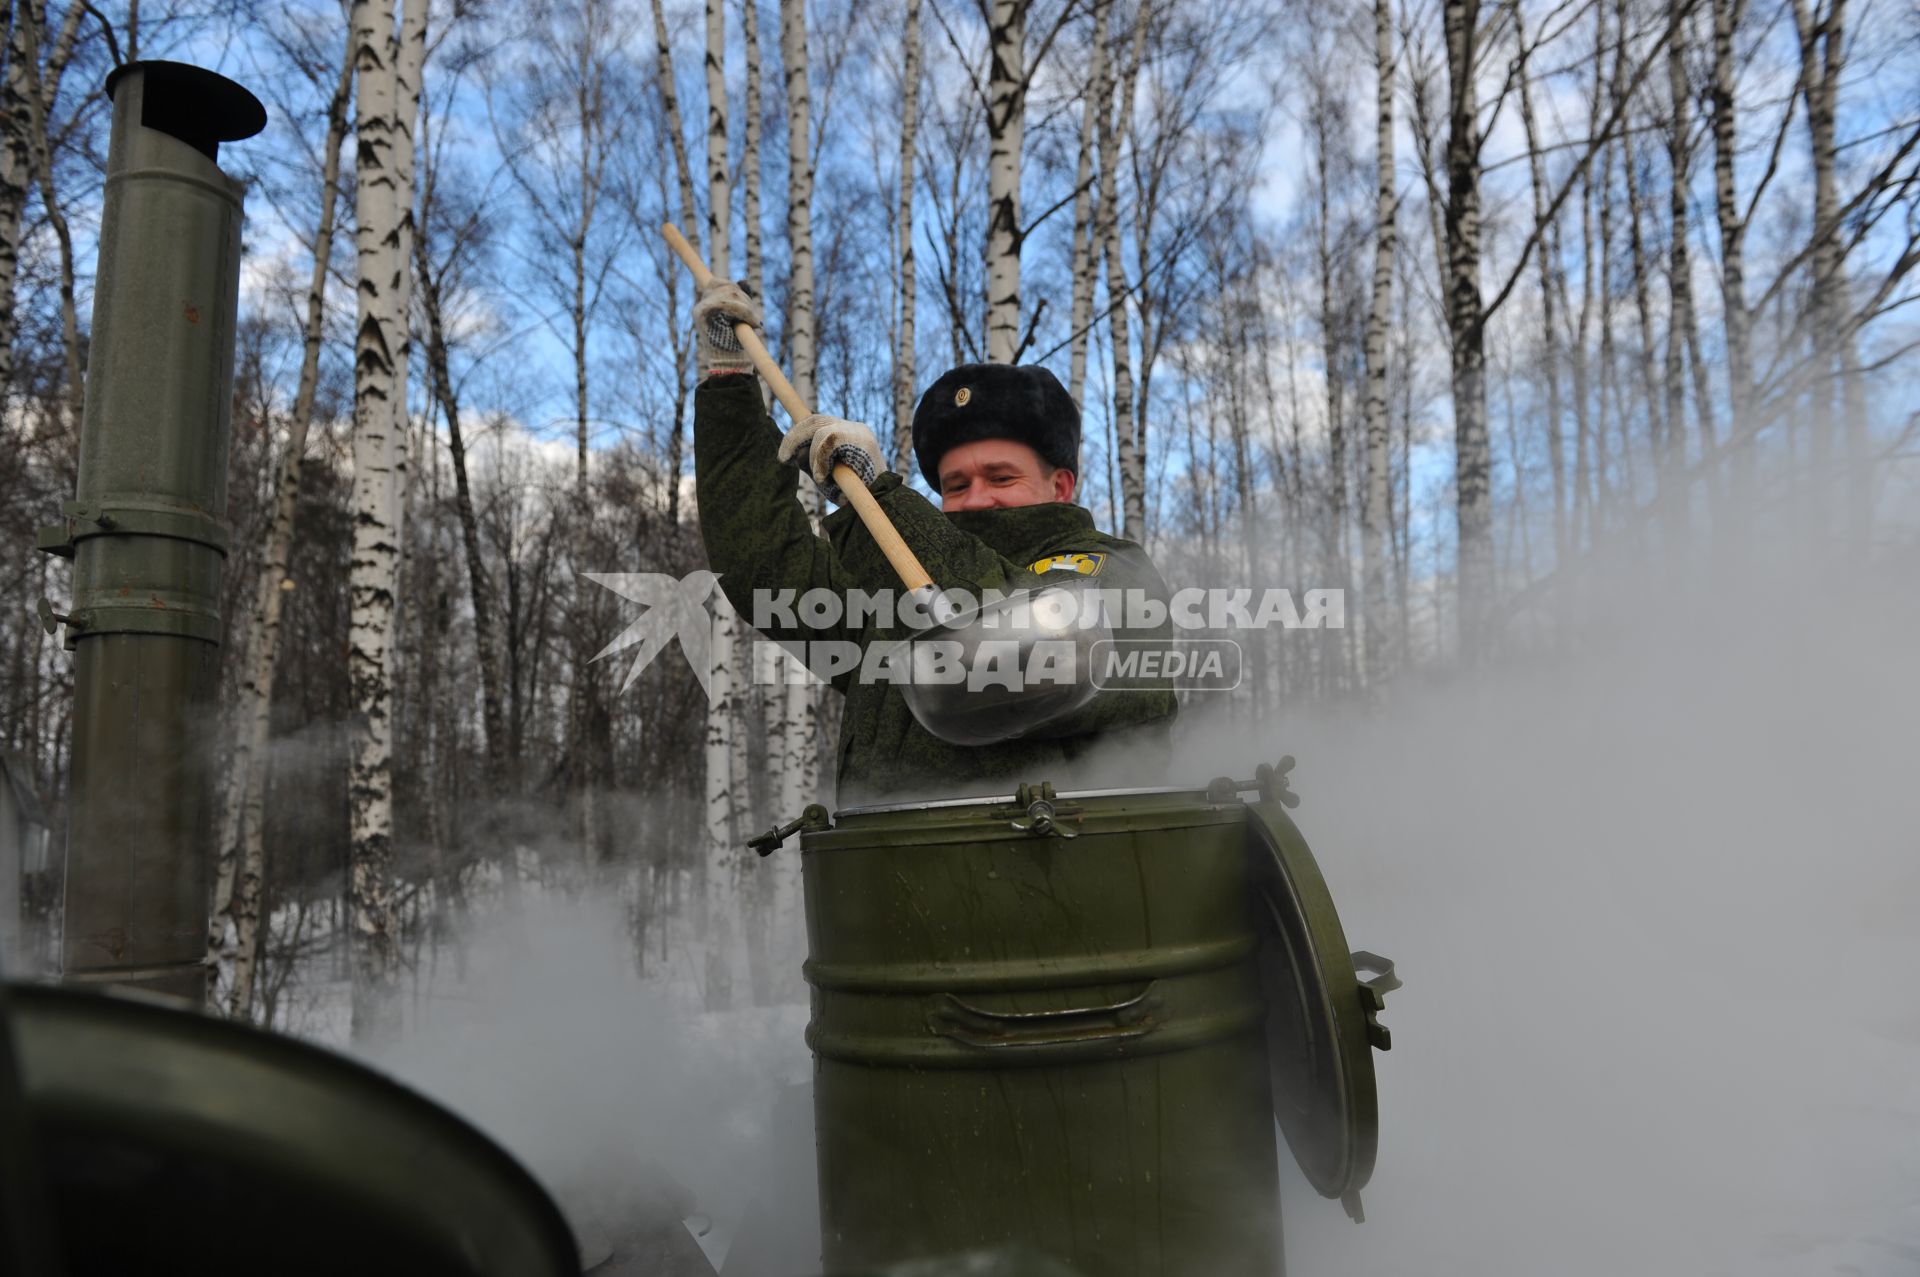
{"points": [[1069, 1021]]}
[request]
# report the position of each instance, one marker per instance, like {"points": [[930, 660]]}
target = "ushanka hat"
{"points": [[1021, 402]]}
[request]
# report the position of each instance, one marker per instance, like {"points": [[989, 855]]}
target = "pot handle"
{"points": [[976, 1026]]}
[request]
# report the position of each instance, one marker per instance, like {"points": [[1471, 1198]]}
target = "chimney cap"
{"points": [[200, 107]]}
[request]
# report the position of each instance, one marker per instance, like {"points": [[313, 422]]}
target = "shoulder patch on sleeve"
{"points": [[1080, 564]]}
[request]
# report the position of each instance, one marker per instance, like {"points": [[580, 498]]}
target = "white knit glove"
{"points": [[820, 442], [721, 305]]}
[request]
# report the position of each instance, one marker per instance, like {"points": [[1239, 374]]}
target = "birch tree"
{"points": [[724, 836], [726, 753], [1679, 274], [799, 767], [1114, 123], [1330, 144], [247, 796], [36, 65], [1552, 290], [1589, 469], [949, 136], [750, 147], [1821, 30], [1377, 654], [1640, 271], [689, 226], [449, 232], [801, 351], [387, 60], [725, 763], [774, 885], [1191, 164], [16, 173], [1010, 73], [1735, 321], [1082, 252], [903, 359], [1006, 133], [1466, 323], [719, 188], [1467, 309]]}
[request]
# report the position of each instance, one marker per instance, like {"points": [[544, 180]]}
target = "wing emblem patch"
{"points": [[1079, 564]]}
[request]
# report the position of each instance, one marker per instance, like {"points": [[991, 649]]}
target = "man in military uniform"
{"points": [[1000, 444]]}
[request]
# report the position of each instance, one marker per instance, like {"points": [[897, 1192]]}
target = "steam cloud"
{"points": [[1654, 901], [1657, 905]]}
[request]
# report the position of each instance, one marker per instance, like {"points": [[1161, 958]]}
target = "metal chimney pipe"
{"points": [[146, 532]]}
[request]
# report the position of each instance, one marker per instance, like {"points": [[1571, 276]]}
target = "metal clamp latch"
{"points": [[1373, 994], [815, 817], [1036, 810], [1270, 780], [1042, 822]]}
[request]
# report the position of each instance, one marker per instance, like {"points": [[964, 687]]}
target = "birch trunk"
{"points": [[800, 767], [903, 359], [590, 109], [676, 134], [775, 884], [1548, 253], [1820, 62], [247, 797], [1377, 654], [1585, 501], [727, 778], [800, 321], [387, 65], [1098, 94], [750, 146], [42, 89], [16, 178], [1335, 539], [1006, 131], [1114, 125], [1639, 267], [1733, 284], [700, 903], [1673, 459], [689, 225], [501, 783], [721, 819], [1580, 515], [1643, 304], [756, 885], [1466, 323], [1609, 358], [948, 267], [719, 189]]}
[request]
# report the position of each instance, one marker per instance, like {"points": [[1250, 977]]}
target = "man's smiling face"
{"points": [[994, 473]]}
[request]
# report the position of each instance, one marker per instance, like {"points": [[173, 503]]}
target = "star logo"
{"points": [[674, 608]]}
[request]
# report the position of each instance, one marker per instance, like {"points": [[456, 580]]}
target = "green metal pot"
{"points": [[150, 1139], [1045, 1021]]}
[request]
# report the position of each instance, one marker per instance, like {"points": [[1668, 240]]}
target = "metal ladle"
{"points": [[1007, 669]]}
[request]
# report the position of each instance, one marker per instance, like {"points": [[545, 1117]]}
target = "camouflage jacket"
{"points": [[759, 538]]}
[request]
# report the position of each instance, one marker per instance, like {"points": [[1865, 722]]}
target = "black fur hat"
{"points": [[1022, 402]]}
